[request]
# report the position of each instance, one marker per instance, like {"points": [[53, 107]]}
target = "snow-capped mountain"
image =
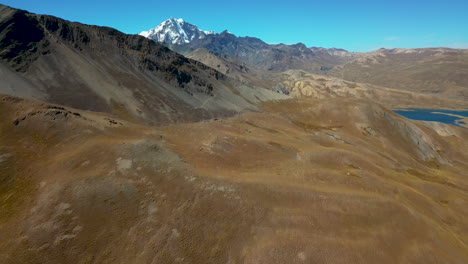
{"points": [[184, 38], [175, 31]]}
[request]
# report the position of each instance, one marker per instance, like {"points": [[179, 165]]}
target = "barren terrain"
{"points": [[301, 181], [115, 149]]}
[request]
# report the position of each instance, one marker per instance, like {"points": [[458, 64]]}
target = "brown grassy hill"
{"points": [[330, 176], [298, 83], [439, 71], [303, 84], [101, 69], [302, 181]]}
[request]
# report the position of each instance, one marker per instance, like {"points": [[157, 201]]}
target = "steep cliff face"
{"points": [[22, 40]]}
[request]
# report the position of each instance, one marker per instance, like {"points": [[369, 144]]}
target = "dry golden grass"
{"points": [[298, 182]]}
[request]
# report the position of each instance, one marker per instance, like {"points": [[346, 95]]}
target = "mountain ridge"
{"points": [[102, 69], [255, 51], [428, 70], [131, 153], [175, 31]]}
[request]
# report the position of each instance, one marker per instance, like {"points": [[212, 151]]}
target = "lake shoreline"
{"points": [[453, 117]]}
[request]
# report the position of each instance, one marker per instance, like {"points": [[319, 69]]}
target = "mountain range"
{"points": [[189, 146], [102, 69], [251, 50], [422, 70]]}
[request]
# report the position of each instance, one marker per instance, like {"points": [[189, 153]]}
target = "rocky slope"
{"points": [[114, 161], [249, 50], [255, 52], [102, 69], [302, 181], [439, 71], [299, 83]]}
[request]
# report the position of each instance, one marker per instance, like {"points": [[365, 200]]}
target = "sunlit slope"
{"points": [[302, 181]]}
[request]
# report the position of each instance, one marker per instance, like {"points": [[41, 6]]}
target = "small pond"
{"points": [[443, 116]]}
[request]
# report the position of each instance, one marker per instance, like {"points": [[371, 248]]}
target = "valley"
{"points": [[182, 145]]}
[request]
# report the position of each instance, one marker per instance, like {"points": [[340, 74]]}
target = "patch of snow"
{"points": [[175, 31]]}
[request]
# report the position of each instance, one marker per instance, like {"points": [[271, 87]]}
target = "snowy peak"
{"points": [[175, 31]]}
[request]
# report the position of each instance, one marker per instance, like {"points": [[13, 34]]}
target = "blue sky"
{"points": [[353, 25]]}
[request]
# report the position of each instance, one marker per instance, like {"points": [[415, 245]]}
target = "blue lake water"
{"points": [[431, 115]]}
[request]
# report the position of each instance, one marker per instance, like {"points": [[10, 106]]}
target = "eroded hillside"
{"points": [[102, 69], [439, 71], [114, 149], [302, 181]]}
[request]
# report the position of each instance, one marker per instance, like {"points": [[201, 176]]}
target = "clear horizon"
{"points": [[358, 26]]}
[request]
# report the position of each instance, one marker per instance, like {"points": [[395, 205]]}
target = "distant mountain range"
{"points": [[422, 70], [184, 38], [102, 69], [116, 149]]}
